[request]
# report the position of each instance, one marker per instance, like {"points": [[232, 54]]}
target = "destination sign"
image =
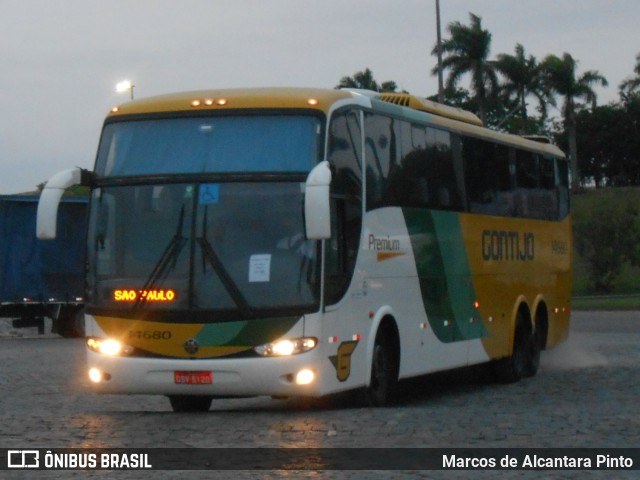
{"points": [[154, 295]]}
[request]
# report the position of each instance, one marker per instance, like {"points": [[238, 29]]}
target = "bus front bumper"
{"points": [[296, 375]]}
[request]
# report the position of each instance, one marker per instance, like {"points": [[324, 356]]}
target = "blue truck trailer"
{"points": [[42, 278]]}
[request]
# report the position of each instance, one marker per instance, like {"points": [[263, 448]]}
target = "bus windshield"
{"points": [[237, 249], [222, 144]]}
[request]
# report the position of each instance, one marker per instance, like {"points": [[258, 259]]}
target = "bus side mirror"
{"points": [[47, 215], [316, 203]]}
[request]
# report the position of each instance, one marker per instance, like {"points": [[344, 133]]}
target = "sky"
{"points": [[60, 60]]}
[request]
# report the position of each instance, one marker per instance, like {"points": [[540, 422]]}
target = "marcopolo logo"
{"points": [[23, 459]]}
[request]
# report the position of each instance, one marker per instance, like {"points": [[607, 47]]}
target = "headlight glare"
{"points": [[287, 347], [109, 346], [284, 348]]}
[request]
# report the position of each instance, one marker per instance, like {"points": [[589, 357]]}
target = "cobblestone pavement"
{"points": [[585, 395]]}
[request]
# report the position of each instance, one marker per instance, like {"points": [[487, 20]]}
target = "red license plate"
{"points": [[193, 378]]}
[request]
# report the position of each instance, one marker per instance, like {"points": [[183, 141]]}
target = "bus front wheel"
{"points": [[384, 370], [190, 403]]}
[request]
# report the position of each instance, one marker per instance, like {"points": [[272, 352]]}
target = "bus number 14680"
{"points": [[150, 334]]}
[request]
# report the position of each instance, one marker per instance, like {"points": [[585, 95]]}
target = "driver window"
{"points": [[345, 154]]}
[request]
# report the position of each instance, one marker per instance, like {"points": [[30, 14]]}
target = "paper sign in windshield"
{"points": [[260, 267]]}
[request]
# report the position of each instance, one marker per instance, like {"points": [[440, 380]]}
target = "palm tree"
{"points": [[561, 78], [631, 86], [467, 52], [523, 78], [364, 80]]}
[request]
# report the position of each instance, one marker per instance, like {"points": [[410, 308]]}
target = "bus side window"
{"points": [[409, 183], [549, 200], [536, 186], [383, 139], [527, 183], [445, 174], [488, 178], [562, 173]]}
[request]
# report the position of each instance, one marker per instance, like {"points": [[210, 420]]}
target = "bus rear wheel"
{"points": [[535, 346], [521, 362], [190, 403]]}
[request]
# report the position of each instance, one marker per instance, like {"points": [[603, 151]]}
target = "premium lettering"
{"points": [[384, 244]]}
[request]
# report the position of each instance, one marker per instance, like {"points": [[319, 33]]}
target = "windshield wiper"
{"points": [[169, 256], [226, 279]]}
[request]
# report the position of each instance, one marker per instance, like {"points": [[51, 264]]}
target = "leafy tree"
{"points": [[608, 138], [365, 80], [524, 78], [457, 97], [631, 86], [561, 78], [467, 52], [597, 151]]}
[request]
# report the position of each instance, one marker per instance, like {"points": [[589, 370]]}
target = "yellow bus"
{"points": [[302, 242]]}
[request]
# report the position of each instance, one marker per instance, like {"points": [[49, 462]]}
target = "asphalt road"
{"points": [[585, 395]]}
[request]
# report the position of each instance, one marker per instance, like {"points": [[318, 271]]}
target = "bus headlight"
{"points": [[287, 347], [109, 346]]}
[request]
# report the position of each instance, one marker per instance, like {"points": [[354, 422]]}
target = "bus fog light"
{"points": [[96, 376], [305, 377]]}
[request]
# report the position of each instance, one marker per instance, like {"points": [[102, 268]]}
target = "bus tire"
{"points": [[533, 355], [538, 342], [384, 369], [190, 403], [514, 367]]}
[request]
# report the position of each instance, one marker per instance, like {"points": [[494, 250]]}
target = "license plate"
{"points": [[193, 378]]}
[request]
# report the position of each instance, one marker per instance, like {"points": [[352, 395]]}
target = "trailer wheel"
{"points": [[190, 403]]}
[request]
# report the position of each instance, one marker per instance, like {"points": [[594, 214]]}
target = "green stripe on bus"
{"points": [[444, 274], [245, 332]]}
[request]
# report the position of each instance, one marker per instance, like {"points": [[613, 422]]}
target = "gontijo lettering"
{"points": [[508, 245]]}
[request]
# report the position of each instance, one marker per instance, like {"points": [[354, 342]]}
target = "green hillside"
{"points": [[608, 204]]}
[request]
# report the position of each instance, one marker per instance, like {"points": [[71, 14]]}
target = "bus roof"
{"points": [[466, 123], [320, 99], [403, 105]]}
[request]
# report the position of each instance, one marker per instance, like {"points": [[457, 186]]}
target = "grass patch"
{"points": [[614, 302]]}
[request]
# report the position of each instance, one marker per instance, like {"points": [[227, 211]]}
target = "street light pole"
{"points": [[124, 86], [439, 48]]}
